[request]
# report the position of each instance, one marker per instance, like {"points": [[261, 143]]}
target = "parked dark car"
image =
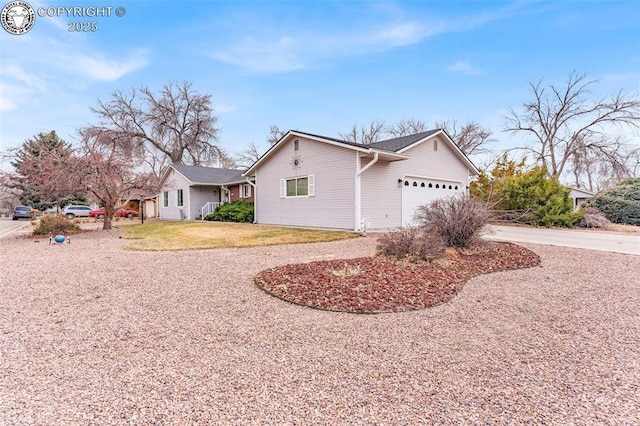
{"points": [[21, 212]]}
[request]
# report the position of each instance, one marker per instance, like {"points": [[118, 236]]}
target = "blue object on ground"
{"points": [[59, 239]]}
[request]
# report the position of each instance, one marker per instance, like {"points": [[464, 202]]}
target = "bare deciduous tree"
{"points": [[26, 163], [471, 138], [365, 135], [178, 124], [275, 134], [406, 127], [599, 164], [104, 166], [249, 156], [566, 128], [8, 196], [108, 171]]}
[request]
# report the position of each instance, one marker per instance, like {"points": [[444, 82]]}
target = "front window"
{"points": [[245, 191], [298, 187], [180, 198], [165, 199]]}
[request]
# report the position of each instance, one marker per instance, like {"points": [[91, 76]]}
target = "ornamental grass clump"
{"points": [[594, 218], [54, 225], [458, 220], [411, 243]]}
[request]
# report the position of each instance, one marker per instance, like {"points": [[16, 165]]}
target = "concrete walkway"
{"points": [[590, 240]]}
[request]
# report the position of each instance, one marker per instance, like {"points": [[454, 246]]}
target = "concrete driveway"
{"points": [[590, 240], [7, 226]]}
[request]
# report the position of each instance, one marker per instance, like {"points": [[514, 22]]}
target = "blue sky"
{"points": [[315, 66]]}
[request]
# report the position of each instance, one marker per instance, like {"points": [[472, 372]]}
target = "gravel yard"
{"points": [[93, 334]]}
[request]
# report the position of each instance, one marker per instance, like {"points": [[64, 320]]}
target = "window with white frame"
{"points": [[245, 190], [165, 199], [180, 198], [297, 187]]}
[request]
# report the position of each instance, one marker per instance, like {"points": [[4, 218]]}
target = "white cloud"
{"points": [[285, 52], [18, 86], [6, 104], [276, 48], [463, 67], [55, 68], [102, 68], [278, 55], [402, 34], [621, 77], [224, 108]]}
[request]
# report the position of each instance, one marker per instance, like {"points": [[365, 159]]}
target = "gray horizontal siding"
{"points": [[333, 203], [381, 196]]}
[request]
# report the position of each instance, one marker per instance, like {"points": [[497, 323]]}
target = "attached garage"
{"points": [[418, 191]]}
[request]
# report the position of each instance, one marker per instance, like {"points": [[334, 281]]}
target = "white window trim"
{"points": [[165, 199], [311, 186], [243, 193], [178, 198]]}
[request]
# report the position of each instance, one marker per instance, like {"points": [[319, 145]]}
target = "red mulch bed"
{"points": [[378, 284]]}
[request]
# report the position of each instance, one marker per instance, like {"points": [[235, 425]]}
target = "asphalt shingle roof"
{"points": [[392, 145], [396, 144], [211, 175]]}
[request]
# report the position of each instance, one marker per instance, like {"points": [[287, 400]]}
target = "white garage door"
{"points": [[418, 192]]}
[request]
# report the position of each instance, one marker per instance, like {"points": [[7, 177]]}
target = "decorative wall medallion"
{"points": [[296, 162]]}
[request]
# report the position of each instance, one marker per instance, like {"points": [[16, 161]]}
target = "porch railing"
{"points": [[209, 207]]}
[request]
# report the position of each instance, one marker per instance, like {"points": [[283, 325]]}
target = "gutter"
{"points": [[359, 222], [255, 205], [225, 189], [376, 155]]}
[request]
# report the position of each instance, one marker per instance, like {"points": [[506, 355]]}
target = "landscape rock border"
{"points": [[379, 285]]}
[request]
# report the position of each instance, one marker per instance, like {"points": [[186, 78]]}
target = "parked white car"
{"points": [[71, 212]]}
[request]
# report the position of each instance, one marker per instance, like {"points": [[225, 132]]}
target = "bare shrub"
{"points": [[55, 224], [413, 244], [594, 218], [458, 220]]}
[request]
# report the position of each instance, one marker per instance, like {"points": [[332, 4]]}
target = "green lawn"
{"points": [[190, 235]]}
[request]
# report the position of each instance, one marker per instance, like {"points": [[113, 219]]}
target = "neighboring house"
{"points": [[580, 196], [316, 181], [192, 192]]}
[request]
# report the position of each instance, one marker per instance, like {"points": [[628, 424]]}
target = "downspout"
{"points": [[225, 189], [255, 204], [358, 219], [370, 163]]}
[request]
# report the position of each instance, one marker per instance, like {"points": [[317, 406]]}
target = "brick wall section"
{"points": [[235, 193]]}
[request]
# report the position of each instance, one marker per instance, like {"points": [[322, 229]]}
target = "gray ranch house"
{"points": [[192, 192], [580, 196], [309, 180]]}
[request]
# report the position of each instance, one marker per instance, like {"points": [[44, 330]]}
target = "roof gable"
{"points": [[394, 148], [208, 175]]}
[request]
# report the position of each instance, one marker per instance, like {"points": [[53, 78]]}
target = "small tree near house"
{"points": [[104, 166], [108, 163]]}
